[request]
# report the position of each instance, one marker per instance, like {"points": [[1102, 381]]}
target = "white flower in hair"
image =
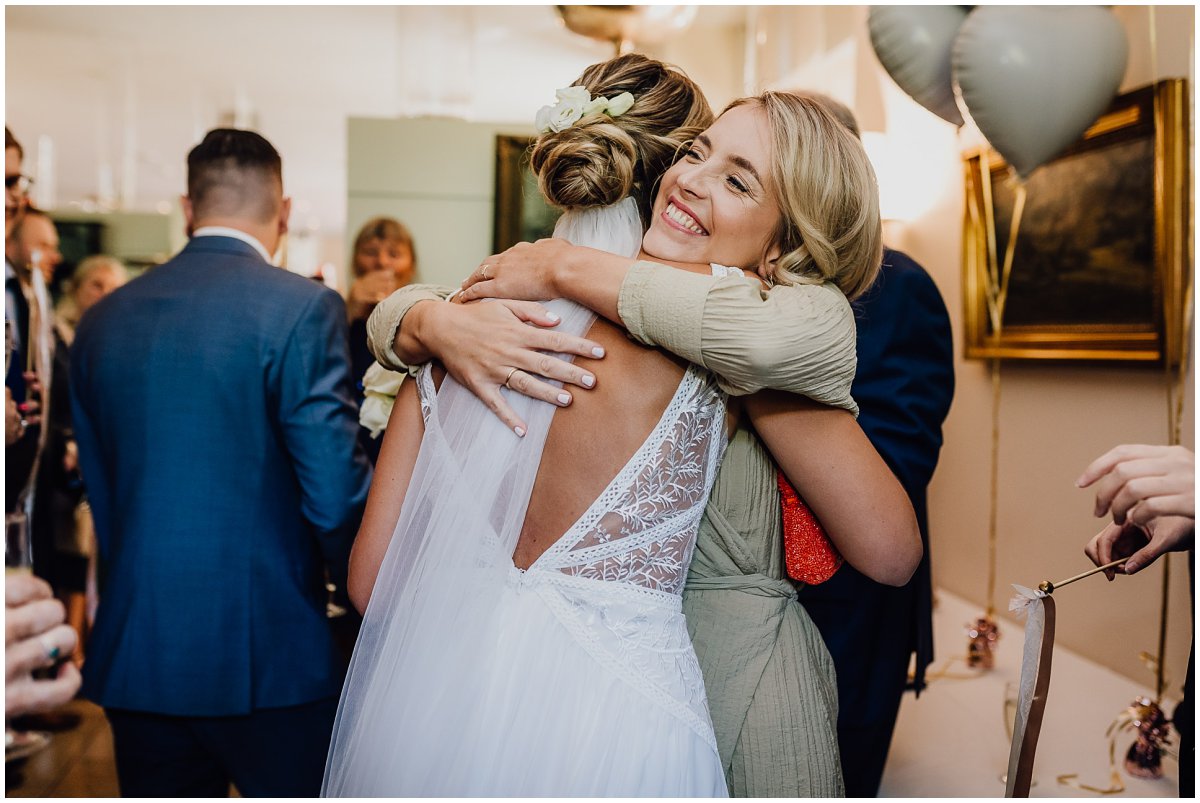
{"points": [[574, 103], [570, 107], [575, 95], [620, 104]]}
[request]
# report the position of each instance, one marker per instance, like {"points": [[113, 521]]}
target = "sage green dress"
{"points": [[770, 681]]}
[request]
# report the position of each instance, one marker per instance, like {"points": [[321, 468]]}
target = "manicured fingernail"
{"points": [[552, 317], [520, 431], [564, 398], [588, 380], [1131, 567], [597, 352]]}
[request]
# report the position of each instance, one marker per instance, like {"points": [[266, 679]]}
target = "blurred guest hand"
{"points": [[32, 406], [1142, 482], [367, 291], [35, 638], [70, 457], [14, 427]]}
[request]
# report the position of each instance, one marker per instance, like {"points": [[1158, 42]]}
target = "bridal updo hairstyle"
{"points": [[830, 229], [600, 160]]}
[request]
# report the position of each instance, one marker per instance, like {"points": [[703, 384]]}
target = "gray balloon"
{"points": [[914, 44], [1034, 78]]}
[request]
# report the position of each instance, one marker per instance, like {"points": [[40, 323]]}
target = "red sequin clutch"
{"points": [[810, 556]]}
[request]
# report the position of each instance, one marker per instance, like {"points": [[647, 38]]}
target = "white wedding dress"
{"points": [[575, 677]]}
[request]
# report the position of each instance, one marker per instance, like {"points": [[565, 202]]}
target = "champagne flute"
{"points": [[18, 558]]}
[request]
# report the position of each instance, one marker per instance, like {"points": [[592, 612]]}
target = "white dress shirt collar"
{"points": [[225, 231]]}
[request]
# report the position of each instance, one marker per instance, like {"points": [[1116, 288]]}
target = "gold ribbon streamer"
{"points": [[996, 293]]}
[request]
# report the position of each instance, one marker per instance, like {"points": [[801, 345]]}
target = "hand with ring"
{"points": [[527, 271], [504, 344], [35, 638]]}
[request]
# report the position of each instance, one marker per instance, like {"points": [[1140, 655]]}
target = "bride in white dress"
{"points": [[524, 635]]}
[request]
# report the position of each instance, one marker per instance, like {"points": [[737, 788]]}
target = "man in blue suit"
{"points": [[903, 387], [218, 439]]}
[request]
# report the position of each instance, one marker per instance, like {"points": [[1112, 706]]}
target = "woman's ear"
{"points": [[766, 267]]}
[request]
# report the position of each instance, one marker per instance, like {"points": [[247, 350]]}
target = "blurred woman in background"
{"points": [[384, 260], [96, 277], [61, 503]]}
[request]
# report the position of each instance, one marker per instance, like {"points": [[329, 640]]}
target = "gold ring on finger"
{"points": [[511, 371]]}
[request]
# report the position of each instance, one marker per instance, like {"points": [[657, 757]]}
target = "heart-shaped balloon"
{"points": [[1034, 78], [914, 44]]}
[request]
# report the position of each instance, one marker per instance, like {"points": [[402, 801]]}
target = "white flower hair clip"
{"points": [[574, 103]]}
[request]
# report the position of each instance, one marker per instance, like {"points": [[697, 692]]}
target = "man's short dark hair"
{"points": [[234, 173], [11, 142]]}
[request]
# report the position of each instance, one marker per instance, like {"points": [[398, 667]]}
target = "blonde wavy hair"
{"points": [[601, 159], [68, 311], [830, 229]]}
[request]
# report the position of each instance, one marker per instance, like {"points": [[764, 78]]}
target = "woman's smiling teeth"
{"points": [[684, 219]]}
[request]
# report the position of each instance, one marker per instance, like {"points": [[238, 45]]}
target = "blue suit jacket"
{"points": [[903, 386], [217, 437]]}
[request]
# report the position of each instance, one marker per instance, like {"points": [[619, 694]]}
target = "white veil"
{"points": [[430, 613]]}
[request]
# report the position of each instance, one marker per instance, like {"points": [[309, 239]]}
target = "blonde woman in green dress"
{"points": [[769, 680]]}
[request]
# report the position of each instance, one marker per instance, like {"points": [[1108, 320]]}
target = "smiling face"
{"points": [[718, 203]]}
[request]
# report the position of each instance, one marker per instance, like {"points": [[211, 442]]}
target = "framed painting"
{"points": [[1103, 247], [521, 214]]}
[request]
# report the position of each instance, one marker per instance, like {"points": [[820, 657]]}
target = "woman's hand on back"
{"points": [[488, 346], [526, 271]]}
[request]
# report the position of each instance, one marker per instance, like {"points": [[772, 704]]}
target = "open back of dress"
{"points": [[574, 677]]}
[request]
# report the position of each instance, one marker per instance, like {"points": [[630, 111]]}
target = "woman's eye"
{"points": [[737, 184], [693, 154]]}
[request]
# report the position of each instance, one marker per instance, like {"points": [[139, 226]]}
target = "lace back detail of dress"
{"points": [[641, 530]]}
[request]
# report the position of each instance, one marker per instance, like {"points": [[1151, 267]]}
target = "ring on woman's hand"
{"points": [[511, 371], [483, 270], [51, 649]]}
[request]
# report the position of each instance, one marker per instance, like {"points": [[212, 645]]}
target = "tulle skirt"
{"points": [[536, 716]]}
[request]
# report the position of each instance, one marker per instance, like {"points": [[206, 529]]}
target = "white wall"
{"points": [[446, 201]]}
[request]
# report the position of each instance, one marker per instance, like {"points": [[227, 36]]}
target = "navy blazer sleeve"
{"points": [[87, 440], [319, 422], [905, 378]]}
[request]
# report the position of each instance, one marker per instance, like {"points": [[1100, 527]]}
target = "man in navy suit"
{"points": [[218, 439], [903, 387]]}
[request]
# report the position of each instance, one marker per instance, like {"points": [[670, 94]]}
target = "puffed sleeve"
{"points": [[798, 338], [385, 321]]}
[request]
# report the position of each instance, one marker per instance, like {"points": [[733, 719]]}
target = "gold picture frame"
{"points": [[521, 214], [1104, 245]]}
